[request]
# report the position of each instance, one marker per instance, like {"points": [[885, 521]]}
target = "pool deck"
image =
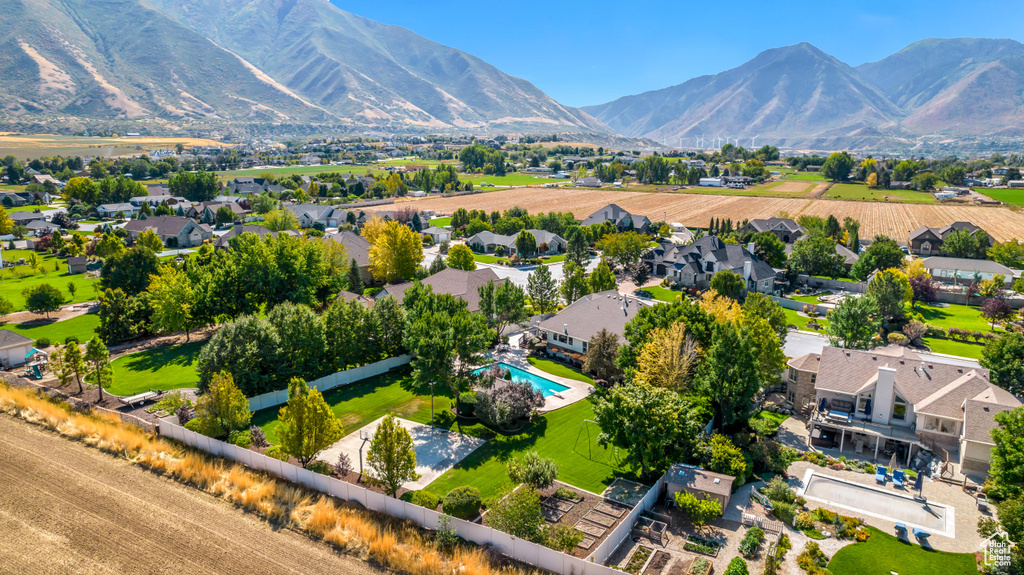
{"points": [[578, 390]]}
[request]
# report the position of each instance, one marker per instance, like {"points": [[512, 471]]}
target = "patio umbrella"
{"points": [[892, 462], [824, 402], [919, 482], [867, 407]]}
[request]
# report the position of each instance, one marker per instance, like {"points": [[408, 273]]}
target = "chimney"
{"points": [[746, 269], [750, 248]]}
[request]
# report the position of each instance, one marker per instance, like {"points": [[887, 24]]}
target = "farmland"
{"points": [[24, 146], [861, 192], [1008, 196], [893, 219]]}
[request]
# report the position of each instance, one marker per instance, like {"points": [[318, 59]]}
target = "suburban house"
{"points": [[588, 182], [76, 265], [622, 219], [111, 210], [699, 483], [486, 242], [356, 248], [569, 331], [891, 398], [437, 234], [849, 258], [462, 284], [248, 185], [23, 218], [309, 214], [694, 265], [206, 212], [41, 227], [785, 229], [927, 241], [952, 270], [154, 200], [224, 241], [14, 348], [174, 231]]}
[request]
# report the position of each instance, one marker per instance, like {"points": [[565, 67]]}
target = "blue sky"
{"points": [[584, 53]]}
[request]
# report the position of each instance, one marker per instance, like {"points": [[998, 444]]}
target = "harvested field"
{"points": [[793, 187], [894, 220], [68, 508]]}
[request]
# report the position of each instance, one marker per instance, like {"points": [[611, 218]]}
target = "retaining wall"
{"points": [[280, 397]]}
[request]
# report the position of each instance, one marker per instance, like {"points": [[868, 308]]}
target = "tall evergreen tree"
{"points": [[355, 280]]}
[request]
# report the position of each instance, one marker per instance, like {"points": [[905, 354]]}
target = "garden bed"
{"points": [[658, 563], [638, 559], [698, 544]]}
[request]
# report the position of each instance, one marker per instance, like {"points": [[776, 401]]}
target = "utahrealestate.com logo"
{"points": [[997, 549]]}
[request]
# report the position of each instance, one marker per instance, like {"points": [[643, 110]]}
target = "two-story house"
{"points": [[926, 241], [694, 265], [892, 399], [622, 219], [785, 229]]}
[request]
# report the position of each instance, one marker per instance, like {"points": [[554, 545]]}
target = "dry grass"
{"points": [[394, 544], [893, 219]]}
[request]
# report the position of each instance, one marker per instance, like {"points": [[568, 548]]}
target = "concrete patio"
{"points": [[517, 357]]}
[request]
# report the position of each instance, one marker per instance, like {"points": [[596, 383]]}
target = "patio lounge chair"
{"points": [[897, 478], [901, 530], [880, 473], [921, 533]]}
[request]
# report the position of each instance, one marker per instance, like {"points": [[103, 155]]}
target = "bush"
{"points": [[751, 541], [344, 465], [778, 490], [566, 493], [185, 415], [700, 565], [785, 512], [321, 467], [804, 520], [737, 567], [193, 424], [462, 502], [43, 342], [240, 438], [71, 338], [763, 427], [276, 453], [445, 535], [425, 499], [825, 516], [562, 538], [814, 534], [256, 437], [897, 338], [467, 403], [812, 560], [533, 470]]}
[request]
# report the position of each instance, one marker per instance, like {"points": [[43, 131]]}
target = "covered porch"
{"points": [[862, 438]]}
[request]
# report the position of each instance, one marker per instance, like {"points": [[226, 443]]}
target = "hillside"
{"points": [[794, 96], [229, 62]]}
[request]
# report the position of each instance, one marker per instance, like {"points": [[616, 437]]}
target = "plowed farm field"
{"points": [[892, 219]]}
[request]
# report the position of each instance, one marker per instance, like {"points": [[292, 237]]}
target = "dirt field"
{"points": [[894, 220], [67, 508]]}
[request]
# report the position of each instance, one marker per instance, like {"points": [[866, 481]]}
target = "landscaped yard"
{"points": [[953, 347], [488, 258], [11, 284], [441, 222], [794, 318], [83, 327], [164, 368], [955, 315], [559, 369], [883, 554], [663, 294]]}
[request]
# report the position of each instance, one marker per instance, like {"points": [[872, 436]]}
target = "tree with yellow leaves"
{"points": [[668, 359], [372, 229], [720, 307], [395, 253], [872, 180]]}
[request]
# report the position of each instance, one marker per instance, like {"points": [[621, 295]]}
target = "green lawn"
{"points": [[772, 416], [861, 192], [560, 370], [806, 298], [512, 179], [1010, 196], [793, 318], [663, 294], [488, 258], [952, 347], [955, 315], [83, 327], [169, 367], [441, 222], [554, 259], [11, 284], [883, 554], [806, 177]]}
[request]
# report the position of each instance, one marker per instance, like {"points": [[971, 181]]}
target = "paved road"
{"points": [[67, 508], [801, 343]]}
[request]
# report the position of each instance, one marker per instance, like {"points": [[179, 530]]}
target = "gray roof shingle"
{"points": [[587, 316]]}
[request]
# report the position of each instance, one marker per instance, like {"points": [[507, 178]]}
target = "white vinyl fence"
{"points": [[625, 527], [525, 551], [280, 397]]}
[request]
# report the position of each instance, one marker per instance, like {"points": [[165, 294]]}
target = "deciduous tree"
{"points": [[729, 374], [890, 289], [574, 283], [542, 289], [460, 257], [98, 358], [223, 408], [532, 469], [1007, 469], [307, 424], [395, 253], [503, 305], [817, 256], [602, 353], [728, 284], [43, 298], [602, 278], [391, 459], [669, 359], [518, 514], [854, 323], [172, 299]]}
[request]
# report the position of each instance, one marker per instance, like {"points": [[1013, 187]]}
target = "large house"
{"points": [[785, 229], [356, 248], [111, 210], [849, 258], [868, 401], [622, 219], [694, 265], [487, 242], [464, 285], [569, 331], [224, 241], [173, 231], [206, 212], [952, 270], [927, 241], [248, 185], [309, 214]]}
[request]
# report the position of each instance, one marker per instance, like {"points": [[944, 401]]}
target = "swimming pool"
{"points": [[543, 385]]}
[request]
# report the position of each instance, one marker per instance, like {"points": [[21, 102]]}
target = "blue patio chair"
{"points": [[901, 530], [880, 473], [921, 533], [897, 478]]}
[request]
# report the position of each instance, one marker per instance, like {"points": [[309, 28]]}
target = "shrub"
{"points": [[804, 521], [562, 538], [445, 535], [462, 502], [814, 534], [812, 560], [71, 338], [751, 541], [862, 535], [467, 403], [276, 453], [193, 424], [825, 516], [533, 470], [700, 565], [240, 438], [778, 490], [43, 342], [344, 466], [425, 499], [185, 415], [763, 427], [897, 338], [737, 567], [566, 493], [784, 511], [321, 467], [257, 438]]}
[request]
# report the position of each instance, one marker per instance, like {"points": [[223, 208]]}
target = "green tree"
{"points": [[518, 514], [223, 216], [532, 469], [648, 318], [526, 244], [262, 204], [623, 249], [602, 353], [737, 567], [602, 278], [74, 364], [574, 283], [198, 186], [307, 424], [503, 305], [817, 256], [249, 349], [726, 457], [890, 289], [1004, 357], [854, 323], [729, 374], [109, 246], [700, 511], [1009, 253], [833, 229], [130, 271], [760, 305], [42, 298], [883, 253], [395, 253], [542, 289], [6, 307], [577, 248], [837, 167], [1007, 468], [280, 220], [460, 257], [391, 459], [764, 342], [172, 299], [223, 408], [960, 244], [728, 284], [355, 278], [769, 248], [98, 358]]}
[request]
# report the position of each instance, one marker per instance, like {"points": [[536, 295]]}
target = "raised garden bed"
{"points": [[638, 559], [658, 563], [700, 566], [697, 544]]}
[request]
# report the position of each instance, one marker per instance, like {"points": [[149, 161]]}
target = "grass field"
{"points": [[30, 146], [83, 327], [560, 370], [512, 179], [1014, 196], [663, 294], [441, 222], [11, 285], [793, 318], [164, 368], [806, 177], [861, 192], [952, 347], [883, 554], [961, 316]]}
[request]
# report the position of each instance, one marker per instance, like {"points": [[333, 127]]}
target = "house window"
{"points": [[792, 374], [586, 346], [814, 378], [562, 338], [899, 409], [940, 425]]}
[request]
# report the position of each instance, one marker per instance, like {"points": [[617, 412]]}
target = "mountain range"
{"points": [[183, 63], [800, 97]]}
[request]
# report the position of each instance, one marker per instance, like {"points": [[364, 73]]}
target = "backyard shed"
{"points": [[13, 348], [701, 483]]}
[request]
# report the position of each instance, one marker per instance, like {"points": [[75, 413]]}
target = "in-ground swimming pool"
{"points": [[543, 385]]}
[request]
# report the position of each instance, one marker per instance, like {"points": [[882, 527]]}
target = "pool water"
{"points": [[543, 385]]}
